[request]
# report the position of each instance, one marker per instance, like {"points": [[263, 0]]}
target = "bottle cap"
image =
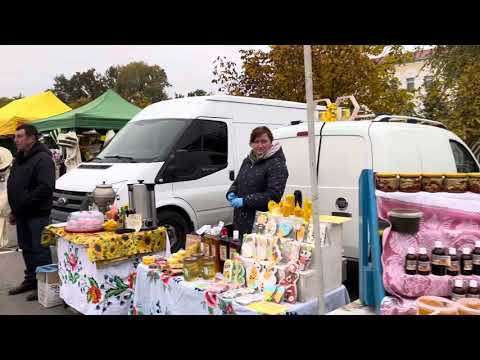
{"points": [[459, 283], [466, 251], [422, 251], [438, 244], [452, 251], [236, 234], [477, 243], [473, 283], [411, 250]]}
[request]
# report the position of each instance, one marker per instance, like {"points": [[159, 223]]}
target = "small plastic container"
{"points": [[435, 305], [474, 182], [405, 221], [432, 183], [410, 183], [469, 306], [456, 182], [386, 182], [85, 221]]}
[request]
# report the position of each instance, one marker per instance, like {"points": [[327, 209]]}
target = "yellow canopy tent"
{"points": [[29, 109]]}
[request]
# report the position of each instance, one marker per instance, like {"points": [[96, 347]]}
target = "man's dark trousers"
{"points": [[29, 233]]}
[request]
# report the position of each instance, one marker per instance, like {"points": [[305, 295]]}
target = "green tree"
{"points": [[138, 82], [337, 70], [6, 100], [81, 85], [454, 96]]}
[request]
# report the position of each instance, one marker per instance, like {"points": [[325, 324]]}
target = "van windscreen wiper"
{"points": [[120, 157]]}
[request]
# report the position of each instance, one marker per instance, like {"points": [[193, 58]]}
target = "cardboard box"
{"points": [[48, 283], [305, 286]]}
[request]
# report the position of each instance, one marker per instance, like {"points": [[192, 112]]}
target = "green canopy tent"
{"points": [[108, 111]]}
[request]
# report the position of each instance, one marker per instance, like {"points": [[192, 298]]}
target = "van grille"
{"points": [[66, 202]]}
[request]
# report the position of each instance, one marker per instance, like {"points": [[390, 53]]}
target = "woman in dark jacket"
{"points": [[262, 177]]}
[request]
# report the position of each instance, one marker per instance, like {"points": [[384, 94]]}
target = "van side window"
{"points": [[463, 160], [202, 150]]}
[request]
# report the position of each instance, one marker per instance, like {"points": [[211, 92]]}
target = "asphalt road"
{"points": [[11, 275]]}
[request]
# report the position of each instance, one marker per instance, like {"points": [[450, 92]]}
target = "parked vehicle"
{"points": [[385, 144], [191, 148]]}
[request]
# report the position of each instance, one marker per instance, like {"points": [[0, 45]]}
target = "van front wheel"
{"points": [[177, 227]]}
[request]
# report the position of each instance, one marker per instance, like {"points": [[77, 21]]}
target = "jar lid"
{"points": [[410, 174], [466, 251], [411, 250], [474, 175], [405, 213], [473, 283], [456, 175], [386, 174], [422, 251], [438, 244], [459, 283], [452, 251]]}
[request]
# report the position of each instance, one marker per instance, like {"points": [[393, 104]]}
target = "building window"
{"points": [[411, 84], [427, 81]]}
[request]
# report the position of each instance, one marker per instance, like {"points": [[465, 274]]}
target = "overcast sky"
{"points": [[30, 69]]}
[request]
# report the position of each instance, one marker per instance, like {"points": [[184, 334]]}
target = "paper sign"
{"points": [[268, 308]]}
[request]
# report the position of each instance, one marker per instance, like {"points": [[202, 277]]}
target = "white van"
{"points": [[192, 148], [385, 144]]}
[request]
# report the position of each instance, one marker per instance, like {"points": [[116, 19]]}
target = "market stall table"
{"points": [[158, 294], [97, 270]]}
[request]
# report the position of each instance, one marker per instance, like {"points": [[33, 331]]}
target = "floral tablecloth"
{"points": [[94, 289], [453, 219], [157, 294], [106, 245]]}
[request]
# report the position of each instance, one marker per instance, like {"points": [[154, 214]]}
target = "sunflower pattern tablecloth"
{"points": [[106, 245]]}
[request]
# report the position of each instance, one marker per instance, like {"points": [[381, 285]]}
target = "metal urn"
{"points": [[141, 199], [103, 196]]}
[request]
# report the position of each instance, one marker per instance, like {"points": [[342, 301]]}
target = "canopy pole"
{"points": [[317, 260]]}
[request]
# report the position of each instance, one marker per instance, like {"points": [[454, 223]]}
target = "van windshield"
{"points": [[144, 141]]}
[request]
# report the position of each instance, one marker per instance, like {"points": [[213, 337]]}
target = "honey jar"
{"points": [[410, 183], [190, 268], [474, 182], [386, 182], [208, 267], [456, 182], [432, 183]]}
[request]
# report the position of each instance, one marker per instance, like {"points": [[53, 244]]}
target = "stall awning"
{"points": [[29, 109], [108, 111]]}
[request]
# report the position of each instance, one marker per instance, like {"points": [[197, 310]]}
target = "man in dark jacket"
{"points": [[262, 177], [30, 191]]}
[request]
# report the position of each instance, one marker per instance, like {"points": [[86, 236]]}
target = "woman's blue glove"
{"points": [[230, 196], [237, 202]]}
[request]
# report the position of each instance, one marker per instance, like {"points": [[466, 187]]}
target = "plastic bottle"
{"points": [[454, 267], [411, 262], [473, 290], [458, 292], [423, 262], [466, 262], [476, 258], [438, 257]]}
